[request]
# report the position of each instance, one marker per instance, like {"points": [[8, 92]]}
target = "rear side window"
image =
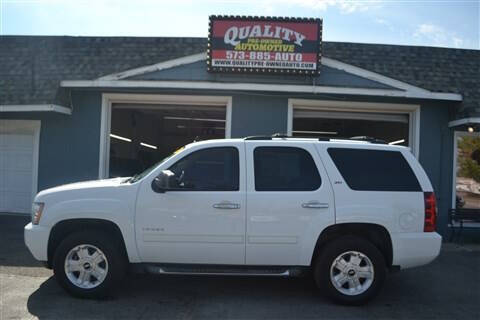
{"points": [[211, 169], [374, 170], [285, 169]]}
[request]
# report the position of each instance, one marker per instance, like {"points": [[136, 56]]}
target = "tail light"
{"points": [[430, 212]]}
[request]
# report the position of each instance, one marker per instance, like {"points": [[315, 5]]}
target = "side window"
{"points": [[374, 170], [285, 169], [211, 169]]}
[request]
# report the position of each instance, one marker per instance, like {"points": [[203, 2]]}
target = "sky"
{"points": [[440, 23]]}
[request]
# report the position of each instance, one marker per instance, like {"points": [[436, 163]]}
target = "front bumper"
{"points": [[415, 249], [36, 240]]}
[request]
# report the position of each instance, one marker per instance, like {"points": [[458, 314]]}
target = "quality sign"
{"points": [[264, 45]]}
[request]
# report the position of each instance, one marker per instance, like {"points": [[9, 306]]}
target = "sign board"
{"points": [[264, 45]]}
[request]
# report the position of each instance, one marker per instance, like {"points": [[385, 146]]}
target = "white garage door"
{"points": [[18, 164]]}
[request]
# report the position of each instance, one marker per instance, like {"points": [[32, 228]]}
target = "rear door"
{"points": [[289, 202]]}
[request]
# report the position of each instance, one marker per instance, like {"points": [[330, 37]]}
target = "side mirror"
{"points": [[164, 181]]}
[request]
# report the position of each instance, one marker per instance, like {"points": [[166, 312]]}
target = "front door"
{"points": [[289, 202], [202, 221]]}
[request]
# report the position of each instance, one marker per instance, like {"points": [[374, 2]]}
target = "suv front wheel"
{"points": [[88, 264], [350, 270]]}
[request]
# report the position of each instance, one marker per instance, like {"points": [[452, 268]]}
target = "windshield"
{"points": [[142, 174]]}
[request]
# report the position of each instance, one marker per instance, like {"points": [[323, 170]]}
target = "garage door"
{"points": [[18, 164]]}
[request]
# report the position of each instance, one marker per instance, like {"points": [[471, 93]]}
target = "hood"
{"points": [[93, 184]]}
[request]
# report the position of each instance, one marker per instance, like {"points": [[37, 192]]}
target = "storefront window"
{"points": [[141, 134], [467, 179], [392, 128]]}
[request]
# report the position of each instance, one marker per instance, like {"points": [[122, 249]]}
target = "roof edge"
{"points": [[156, 67], [35, 108], [370, 75], [332, 63], [208, 85]]}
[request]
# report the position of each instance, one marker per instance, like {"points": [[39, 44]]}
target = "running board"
{"points": [[222, 270]]}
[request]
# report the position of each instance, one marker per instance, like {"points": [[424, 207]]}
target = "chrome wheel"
{"points": [[86, 266], [352, 273]]}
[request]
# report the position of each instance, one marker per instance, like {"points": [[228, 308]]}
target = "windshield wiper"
{"points": [[133, 178]]}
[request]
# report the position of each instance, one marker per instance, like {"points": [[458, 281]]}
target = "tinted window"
{"points": [[285, 169], [212, 169], [374, 170]]}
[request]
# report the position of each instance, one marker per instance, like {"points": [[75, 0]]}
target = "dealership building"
{"points": [[81, 108]]}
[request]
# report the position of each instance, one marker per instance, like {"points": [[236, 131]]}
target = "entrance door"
{"points": [[466, 193], [289, 202], [18, 164], [203, 219]]}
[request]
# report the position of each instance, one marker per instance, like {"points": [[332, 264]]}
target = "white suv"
{"points": [[347, 210]]}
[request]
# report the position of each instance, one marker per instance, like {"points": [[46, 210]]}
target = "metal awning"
{"points": [[464, 122]]}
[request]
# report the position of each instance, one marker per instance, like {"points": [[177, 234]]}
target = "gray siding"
{"points": [[257, 115], [436, 156], [69, 145], [197, 71]]}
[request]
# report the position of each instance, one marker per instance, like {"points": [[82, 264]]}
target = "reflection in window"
{"points": [[285, 169], [374, 170], [211, 169], [468, 171]]}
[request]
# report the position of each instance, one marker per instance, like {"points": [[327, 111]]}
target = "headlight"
{"points": [[37, 209]]}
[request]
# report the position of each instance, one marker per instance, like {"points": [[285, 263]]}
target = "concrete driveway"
{"points": [[449, 288]]}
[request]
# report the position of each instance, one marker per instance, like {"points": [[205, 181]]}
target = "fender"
{"points": [[119, 212]]}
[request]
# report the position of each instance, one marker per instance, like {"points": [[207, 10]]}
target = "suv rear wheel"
{"points": [[88, 264], [350, 270]]}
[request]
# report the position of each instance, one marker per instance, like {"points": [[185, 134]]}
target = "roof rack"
{"points": [[368, 139], [319, 138], [275, 135], [258, 138]]}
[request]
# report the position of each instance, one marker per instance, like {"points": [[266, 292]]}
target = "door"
{"points": [[201, 221], [289, 202], [466, 165], [18, 164]]}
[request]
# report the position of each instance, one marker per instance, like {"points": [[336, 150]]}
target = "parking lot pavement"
{"points": [[449, 288]]}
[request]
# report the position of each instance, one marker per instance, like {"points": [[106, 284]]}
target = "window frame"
{"points": [[456, 135], [108, 99], [412, 110], [237, 153], [285, 147]]}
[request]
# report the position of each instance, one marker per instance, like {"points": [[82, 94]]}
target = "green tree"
{"points": [[469, 157]]}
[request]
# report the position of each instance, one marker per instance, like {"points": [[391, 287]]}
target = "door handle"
{"points": [[226, 205], [314, 205]]}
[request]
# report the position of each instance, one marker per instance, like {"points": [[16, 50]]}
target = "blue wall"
{"points": [[436, 156], [258, 115], [69, 144]]}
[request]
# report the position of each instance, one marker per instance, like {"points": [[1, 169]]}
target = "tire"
{"points": [[99, 256], [363, 270]]}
